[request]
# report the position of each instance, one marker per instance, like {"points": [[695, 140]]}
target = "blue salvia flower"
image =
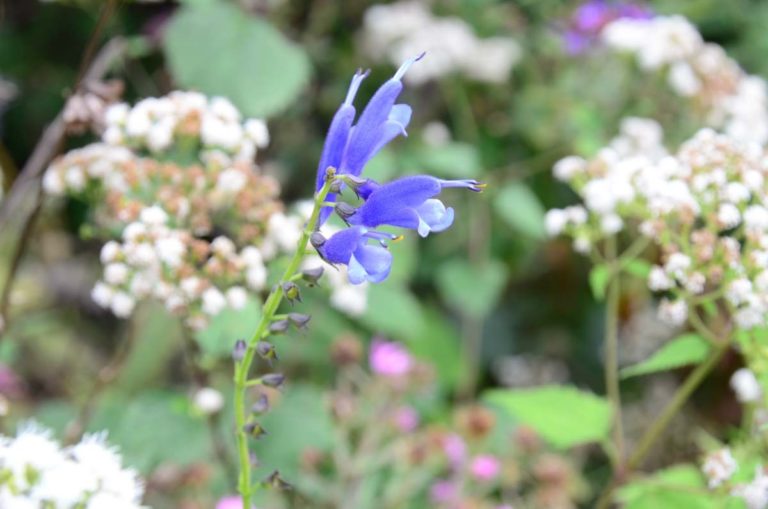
{"points": [[365, 262], [349, 147], [409, 203]]}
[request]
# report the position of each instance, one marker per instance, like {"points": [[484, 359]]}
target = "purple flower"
{"points": [[455, 449], [409, 203], [589, 19], [389, 359], [349, 147], [365, 262], [443, 492], [485, 467], [406, 419], [231, 502]]}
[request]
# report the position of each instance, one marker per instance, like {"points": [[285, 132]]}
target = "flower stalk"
{"points": [[612, 354], [269, 311]]}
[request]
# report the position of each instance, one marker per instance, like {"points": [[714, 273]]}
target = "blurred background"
{"points": [[505, 91]]}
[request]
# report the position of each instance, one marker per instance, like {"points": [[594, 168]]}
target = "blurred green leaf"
{"points": [[219, 337], [440, 345], [638, 268], [297, 422], [681, 351], [221, 50], [564, 416], [599, 277], [678, 486], [452, 160], [520, 208], [471, 289], [393, 310]]}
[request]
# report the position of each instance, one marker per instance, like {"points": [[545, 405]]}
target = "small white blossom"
{"points": [[213, 301], [745, 385], [659, 280], [154, 216], [673, 312], [719, 466], [237, 297], [116, 273], [208, 400], [122, 304]]}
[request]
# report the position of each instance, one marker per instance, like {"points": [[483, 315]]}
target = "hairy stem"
{"points": [[612, 355], [243, 366]]}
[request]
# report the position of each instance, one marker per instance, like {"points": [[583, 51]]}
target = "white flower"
{"points": [[756, 218], [754, 493], [65, 484], [74, 177], [213, 301], [102, 294], [251, 256], [256, 129], [611, 223], [658, 280], [677, 265], [141, 255], [122, 305], [237, 297], [32, 449], [116, 114], [673, 312], [284, 230], [728, 215], [190, 286], [739, 291], [569, 167], [719, 466], [52, 183], [134, 231], [223, 246], [231, 181], [208, 400], [683, 80], [582, 245], [153, 216], [555, 221], [745, 385], [116, 273], [170, 250], [256, 276]]}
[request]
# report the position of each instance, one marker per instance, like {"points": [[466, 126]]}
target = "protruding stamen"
{"points": [[471, 184], [357, 80], [406, 65]]}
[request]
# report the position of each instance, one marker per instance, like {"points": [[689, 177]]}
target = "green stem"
{"points": [[612, 354], [243, 366]]}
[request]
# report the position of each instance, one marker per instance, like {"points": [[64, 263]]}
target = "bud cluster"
{"points": [[728, 97], [704, 206]]}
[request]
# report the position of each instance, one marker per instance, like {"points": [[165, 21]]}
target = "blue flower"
{"points": [[351, 247], [410, 203], [349, 147]]}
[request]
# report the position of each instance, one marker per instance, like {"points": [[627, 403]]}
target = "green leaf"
{"points": [[564, 416], [453, 160], [681, 351], [638, 268], [471, 289], [678, 486], [393, 310], [520, 208], [218, 339], [599, 277], [221, 50]]}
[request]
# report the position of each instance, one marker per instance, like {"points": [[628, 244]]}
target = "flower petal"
{"points": [[433, 217], [339, 248], [375, 262], [385, 205]]}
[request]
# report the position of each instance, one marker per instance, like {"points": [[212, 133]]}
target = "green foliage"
{"points": [[599, 277], [453, 160], [678, 486], [393, 310], [564, 416], [521, 210], [472, 289], [681, 351], [298, 421], [219, 49]]}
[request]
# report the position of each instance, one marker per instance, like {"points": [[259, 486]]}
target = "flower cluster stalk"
{"points": [[612, 354], [269, 310]]}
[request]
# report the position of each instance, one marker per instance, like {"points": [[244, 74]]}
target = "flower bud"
{"points": [[255, 429], [275, 481], [279, 326], [317, 240], [299, 320], [291, 292], [266, 351], [345, 210], [239, 351], [336, 186], [261, 405], [312, 276], [273, 380]]}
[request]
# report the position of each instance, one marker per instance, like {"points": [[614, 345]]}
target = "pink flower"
{"points": [[455, 449], [485, 467], [231, 502], [443, 492], [389, 359], [406, 419]]}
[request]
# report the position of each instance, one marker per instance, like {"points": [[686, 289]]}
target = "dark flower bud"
{"points": [[345, 210], [279, 326], [266, 351], [354, 181], [261, 405], [273, 380], [254, 429], [291, 292], [275, 481], [317, 240], [336, 186], [239, 351], [312, 276], [299, 320]]}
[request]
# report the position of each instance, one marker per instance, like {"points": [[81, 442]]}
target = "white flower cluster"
{"points": [[35, 471], [746, 386], [192, 277], [731, 99], [719, 466], [155, 124], [754, 493], [397, 31], [706, 207]]}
